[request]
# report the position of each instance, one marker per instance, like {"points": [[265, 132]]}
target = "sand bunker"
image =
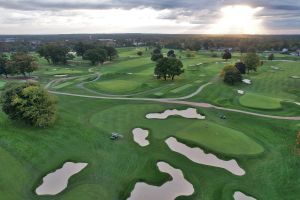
{"points": [[242, 196], [140, 136], [61, 75], [247, 81], [241, 92], [56, 182], [197, 155], [295, 77], [170, 190], [190, 113]]}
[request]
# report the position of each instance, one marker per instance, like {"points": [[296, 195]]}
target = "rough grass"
{"points": [[259, 101]]}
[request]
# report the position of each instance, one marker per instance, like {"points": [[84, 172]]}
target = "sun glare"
{"points": [[238, 19]]}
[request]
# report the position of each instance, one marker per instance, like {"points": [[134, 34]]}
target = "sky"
{"points": [[150, 16]]}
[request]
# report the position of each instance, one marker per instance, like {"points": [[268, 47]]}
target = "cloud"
{"points": [[34, 13]]}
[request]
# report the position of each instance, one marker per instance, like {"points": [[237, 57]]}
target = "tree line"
{"points": [[60, 54], [17, 63]]}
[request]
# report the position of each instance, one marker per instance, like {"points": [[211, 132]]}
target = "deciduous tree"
{"points": [[31, 103]]}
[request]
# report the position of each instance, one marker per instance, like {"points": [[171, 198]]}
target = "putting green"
{"points": [[220, 139], [116, 86], [259, 101]]}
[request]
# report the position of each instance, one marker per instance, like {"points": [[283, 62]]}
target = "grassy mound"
{"points": [[219, 138], [259, 101]]}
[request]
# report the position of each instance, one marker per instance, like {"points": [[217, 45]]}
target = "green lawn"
{"points": [[263, 147], [2, 84], [117, 86], [259, 101], [219, 138]]}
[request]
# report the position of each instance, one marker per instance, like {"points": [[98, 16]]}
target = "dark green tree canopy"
{"points": [[231, 74], [31, 103], [156, 55], [252, 61], [139, 53], [22, 63], [95, 56], [168, 68], [171, 53], [227, 55], [111, 52], [3, 65], [54, 53], [241, 67]]}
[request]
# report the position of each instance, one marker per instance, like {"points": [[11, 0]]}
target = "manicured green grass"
{"points": [[259, 101], [82, 135], [180, 89], [62, 85], [219, 138], [263, 147], [119, 86], [2, 84]]}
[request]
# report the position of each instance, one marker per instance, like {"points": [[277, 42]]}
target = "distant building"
{"points": [[108, 42]]}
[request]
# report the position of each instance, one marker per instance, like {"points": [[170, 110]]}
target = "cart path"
{"points": [[188, 103]]}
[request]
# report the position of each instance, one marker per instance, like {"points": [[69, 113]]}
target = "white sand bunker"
{"points": [[241, 92], [295, 77], [247, 81], [242, 196], [61, 75], [140, 136], [190, 113], [56, 182], [170, 190], [197, 155]]}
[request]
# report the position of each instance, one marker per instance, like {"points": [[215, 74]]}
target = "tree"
{"points": [[171, 54], [31, 103], [22, 63], [111, 52], [226, 55], [139, 53], [271, 57], [252, 61], [231, 77], [54, 53], [156, 55], [175, 68], [241, 67], [168, 68], [231, 74], [95, 56], [81, 48], [3, 65]]}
